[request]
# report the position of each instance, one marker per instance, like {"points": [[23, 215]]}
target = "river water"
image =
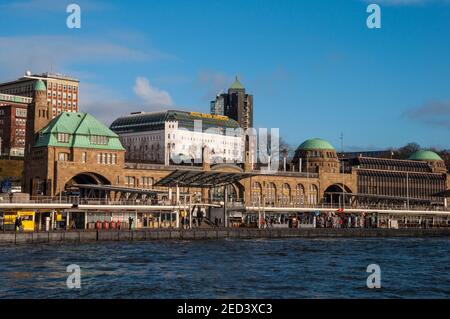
{"points": [[293, 268]]}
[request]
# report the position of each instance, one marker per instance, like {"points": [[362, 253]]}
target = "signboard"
{"points": [[209, 116]]}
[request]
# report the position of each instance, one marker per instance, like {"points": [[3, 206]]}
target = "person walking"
{"points": [[130, 222], [20, 224]]}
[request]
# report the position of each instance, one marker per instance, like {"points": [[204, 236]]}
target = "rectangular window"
{"points": [[99, 140], [83, 157], [63, 137], [146, 181], [130, 180], [63, 157], [21, 112]]}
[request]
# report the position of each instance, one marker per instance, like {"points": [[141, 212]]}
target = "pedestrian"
{"points": [[130, 222], [16, 224]]}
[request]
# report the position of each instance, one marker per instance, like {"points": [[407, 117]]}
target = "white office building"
{"points": [[177, 137]]}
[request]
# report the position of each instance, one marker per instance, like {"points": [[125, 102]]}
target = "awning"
{"points": [[121, 189], [443, 194], [200, 179]]}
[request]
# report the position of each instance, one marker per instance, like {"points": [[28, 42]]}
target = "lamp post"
{"points": [[343, 171]]}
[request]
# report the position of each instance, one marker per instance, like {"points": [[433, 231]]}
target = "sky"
{"points": [[314, 67]]}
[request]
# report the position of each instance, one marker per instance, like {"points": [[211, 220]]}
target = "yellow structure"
{"points": [[28, 219]]}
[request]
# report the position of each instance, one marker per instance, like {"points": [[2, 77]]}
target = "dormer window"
{"points": [[99, 140], [63, 137]]}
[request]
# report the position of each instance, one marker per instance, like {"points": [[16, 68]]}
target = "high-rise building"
{"points": [[13, 117], [62, 91], [235, 104]]}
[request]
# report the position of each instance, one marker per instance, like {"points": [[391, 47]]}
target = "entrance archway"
{"points": [[86, 178], [334, 193]]}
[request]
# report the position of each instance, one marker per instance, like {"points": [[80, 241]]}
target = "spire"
{"points": [[237, 85]]}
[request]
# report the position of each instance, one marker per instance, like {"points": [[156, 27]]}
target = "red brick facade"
{"points": [[13, 118]]}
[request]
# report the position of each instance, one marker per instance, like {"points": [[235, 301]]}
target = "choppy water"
{"points": [[294, 268]]}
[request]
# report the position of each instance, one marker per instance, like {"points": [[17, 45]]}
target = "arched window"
{"points": [[271, 194], [218, 193], [313, 194], [285, 194], [256, 193], [300, 194]]}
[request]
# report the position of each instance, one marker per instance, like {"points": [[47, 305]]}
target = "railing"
{"points": [[75, 200], [143, 165], [348, 206], [37, 200], [281, 172]]}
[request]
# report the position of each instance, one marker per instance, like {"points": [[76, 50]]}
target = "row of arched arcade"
{"points": [[299, 195], [260, 193]]}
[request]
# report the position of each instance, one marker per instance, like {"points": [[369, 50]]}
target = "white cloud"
{"points": [[152, 96], [45, 53], [103, 103], [435, 113]]}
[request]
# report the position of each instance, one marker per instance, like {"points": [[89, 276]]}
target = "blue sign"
{"points": [[5, 185]]}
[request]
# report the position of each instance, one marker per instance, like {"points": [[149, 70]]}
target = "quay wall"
{"points": [[210, 234]]}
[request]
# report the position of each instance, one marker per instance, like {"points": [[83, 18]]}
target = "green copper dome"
{"points": [[237, 85], [315, 144], [425, 156], [40, 86]]}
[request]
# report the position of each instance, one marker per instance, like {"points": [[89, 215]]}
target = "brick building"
{"points": [[62, 91], [13, 116], [75, 148]]}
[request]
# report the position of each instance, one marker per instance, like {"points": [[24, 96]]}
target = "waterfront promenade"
{"points": [[81, 236]]}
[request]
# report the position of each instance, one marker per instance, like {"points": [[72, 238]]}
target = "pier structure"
{"points": [[80, 174], [69, 213]]}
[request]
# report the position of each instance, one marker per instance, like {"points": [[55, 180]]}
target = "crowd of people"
{"points": [[343, 221], [322, 220]]}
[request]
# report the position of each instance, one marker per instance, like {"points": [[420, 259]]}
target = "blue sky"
{"points": [[314, 67]]}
